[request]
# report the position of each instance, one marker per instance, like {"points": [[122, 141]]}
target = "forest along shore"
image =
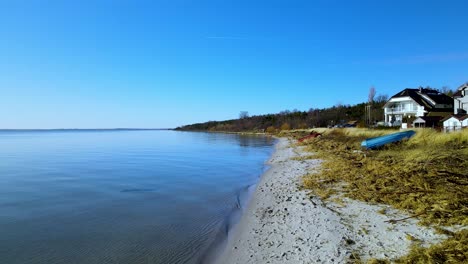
{"points": [[285, 223]]}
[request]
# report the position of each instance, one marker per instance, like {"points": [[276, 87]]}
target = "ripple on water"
{"points": [[122, 197]]}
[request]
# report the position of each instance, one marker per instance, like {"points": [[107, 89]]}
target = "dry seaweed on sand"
{"points": [[452, 250], [426, 176]]}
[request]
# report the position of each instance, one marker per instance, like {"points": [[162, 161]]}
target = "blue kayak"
{"points": [[372, 143]]}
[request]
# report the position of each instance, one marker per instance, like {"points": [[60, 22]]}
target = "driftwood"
{"points": [[312, 134], [393, 221]]}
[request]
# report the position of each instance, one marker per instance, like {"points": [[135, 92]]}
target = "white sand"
{"points": [[283, 224]]}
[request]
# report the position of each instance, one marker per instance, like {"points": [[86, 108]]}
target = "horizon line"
{"points": [[119, 128]]}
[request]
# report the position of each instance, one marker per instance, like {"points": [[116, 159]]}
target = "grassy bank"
{"points": [[426, 176]]}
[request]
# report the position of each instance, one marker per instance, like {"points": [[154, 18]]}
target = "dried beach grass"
{"points": [[426, 176]]}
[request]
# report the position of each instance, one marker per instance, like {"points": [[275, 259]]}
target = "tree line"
{"points": [[362, 114]]}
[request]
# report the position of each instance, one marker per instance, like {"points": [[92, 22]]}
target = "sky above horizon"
{"points": [[162, 64]]}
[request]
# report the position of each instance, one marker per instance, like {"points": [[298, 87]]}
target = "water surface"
{"points": [[121, 196]]}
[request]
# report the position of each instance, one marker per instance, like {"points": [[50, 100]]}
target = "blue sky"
{"points": [[106, 64]]}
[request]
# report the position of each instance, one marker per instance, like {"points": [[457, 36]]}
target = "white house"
{"points": [[411, 103], [461, 100], [455, 122], [459, 119]]}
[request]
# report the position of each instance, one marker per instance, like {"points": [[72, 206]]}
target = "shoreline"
{"points": [[283, 223], [244, 197]]}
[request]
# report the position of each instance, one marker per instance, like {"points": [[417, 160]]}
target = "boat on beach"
{"points": [[373, 143]]}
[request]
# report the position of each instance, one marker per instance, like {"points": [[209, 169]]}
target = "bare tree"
{"points": [[446, 90], [381, 98], [243, 114], [371, 94]]}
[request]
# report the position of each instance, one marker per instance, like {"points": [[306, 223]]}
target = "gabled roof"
{"points": [[459, 117], [463, 86], [458, 93], [427, 98]]}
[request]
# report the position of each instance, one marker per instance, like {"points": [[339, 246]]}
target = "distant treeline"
{"points": [[363, 114]]}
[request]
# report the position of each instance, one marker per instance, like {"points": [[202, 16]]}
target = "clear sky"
{"points": [[107, 64]]}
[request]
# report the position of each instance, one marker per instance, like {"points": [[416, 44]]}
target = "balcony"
{"points": [[401, 108]]}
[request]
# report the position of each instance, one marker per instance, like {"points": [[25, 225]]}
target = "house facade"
{"points": [[460, 98], [459, 119], [412, 103], [455, 122]]}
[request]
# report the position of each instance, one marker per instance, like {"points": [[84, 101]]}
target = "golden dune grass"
{"points": [[426, 176]]}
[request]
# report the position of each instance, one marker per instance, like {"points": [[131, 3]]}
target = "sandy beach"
{"points": [[286, 224]]}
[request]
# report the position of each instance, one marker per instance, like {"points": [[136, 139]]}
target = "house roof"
{"points": [[428, 119], [427, 98], [462, 87], [459, 117]]}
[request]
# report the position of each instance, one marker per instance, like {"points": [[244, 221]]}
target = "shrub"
{"points": [[271, 129], [285, 126], [302, 125]]}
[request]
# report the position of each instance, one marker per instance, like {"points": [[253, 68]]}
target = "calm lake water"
{"points": [[122, 196]]}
